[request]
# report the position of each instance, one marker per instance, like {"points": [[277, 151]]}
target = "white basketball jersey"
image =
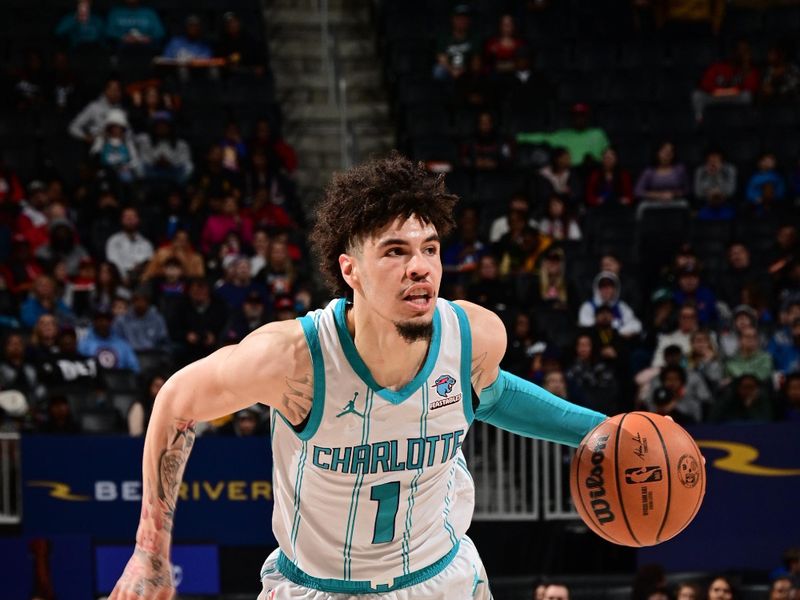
{"points": [[374, 492]]}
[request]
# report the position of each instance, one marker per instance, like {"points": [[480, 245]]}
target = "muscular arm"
{"points": [[512, 403], [272, 366]]}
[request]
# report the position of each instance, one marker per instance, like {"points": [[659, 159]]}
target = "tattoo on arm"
{"points": [[171, 465], [478, 370], [297, 399]]}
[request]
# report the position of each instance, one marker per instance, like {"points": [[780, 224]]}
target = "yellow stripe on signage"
{"points": [[59, 490], [740, 459]]}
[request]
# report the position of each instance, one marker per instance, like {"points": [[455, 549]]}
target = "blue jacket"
{"points": [[148, 332], [112, 352], [32, 309], [705, 301], [757, 182]]}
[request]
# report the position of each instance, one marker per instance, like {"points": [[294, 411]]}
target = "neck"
{"points": [[391, 360]]}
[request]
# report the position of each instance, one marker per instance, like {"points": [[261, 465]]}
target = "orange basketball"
{"points": [[637, 479]]}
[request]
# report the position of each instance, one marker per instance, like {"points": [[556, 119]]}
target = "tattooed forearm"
{"points": [[297, 399], [478, 369]]}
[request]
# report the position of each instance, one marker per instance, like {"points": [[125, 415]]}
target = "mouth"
{"points": [[420, 298]]}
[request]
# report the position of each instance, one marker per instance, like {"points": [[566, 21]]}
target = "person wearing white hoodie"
{"points": [[606, 291]]}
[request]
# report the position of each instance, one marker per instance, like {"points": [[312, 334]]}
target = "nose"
{"points": [[417, 268]]}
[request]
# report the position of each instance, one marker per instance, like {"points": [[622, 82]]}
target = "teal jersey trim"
{"points": [[466, 361], [446, 515], [318, 366], [351, 515], [297, 485], [357, 363], [338, 586], [423, 427]]}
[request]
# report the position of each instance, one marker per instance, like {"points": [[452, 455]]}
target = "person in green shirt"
{"points": [[581, 140], [750, 359]]}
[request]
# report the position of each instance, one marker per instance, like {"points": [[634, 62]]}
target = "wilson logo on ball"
{"points": [[596, 484], [643, 474]]}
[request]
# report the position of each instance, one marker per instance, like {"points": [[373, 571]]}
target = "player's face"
{"points": [[397, 271]]}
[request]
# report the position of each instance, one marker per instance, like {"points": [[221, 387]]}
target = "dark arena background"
{"points": [[629, 175]]}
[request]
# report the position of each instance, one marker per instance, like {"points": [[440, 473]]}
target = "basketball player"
{"points": [[371, 399]]}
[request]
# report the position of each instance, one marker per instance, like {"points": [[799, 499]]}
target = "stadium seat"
{"points": [[120, 380], [100, 421]]}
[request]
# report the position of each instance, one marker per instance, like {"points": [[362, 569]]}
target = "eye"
{"points": [[431, 251], [393, 252]]}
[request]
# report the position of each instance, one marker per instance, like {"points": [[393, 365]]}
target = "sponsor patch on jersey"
{"points": [[444, 384], [440, 402]]}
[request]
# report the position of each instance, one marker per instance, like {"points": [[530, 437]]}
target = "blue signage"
{"points": [[195, 569], [749, 515], [92, 485]]}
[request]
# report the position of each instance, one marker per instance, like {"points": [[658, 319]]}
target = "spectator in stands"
{"points": [[681, 337], [115, 149], [91, 121], [749, 359], [786, 356], [214, 182], [284, 308], [689, 289], [744, 317], [538, 592], [180, 249], [555, 382], [43, 300], [556, 591], [559, 177], [734, 81], [261, 243], [238, 48], [66, 83], [522, 345], [239, 284], [43, 344], [592, 378], [149, 100], [199, 322], [17, 373], [82, 27], [31, 82], [739, 273], [785, 252], [659, 594], [33, 220], [164, 155], [609, 184], [665, 180], [11, 190], [780, 589], [715, 186], [488, 151], [703, 360], [558, 222], [672, 396], [781, 78], [138, 416], [234, 148], [475, 88], [582, 141], [550, 287], [79, 289], [107, 285], [231, 219], [766, 186], [131, 25], [281, 274], [128, 249], [688, 591], [110, 350], [60, 420], [745, 400], [487, 290], [245, 423], [143, 326], [791, 404], [189, 46], [453, 50], [460, 257], [518, 206], [266, 139], [63, 247], [502, 50], [519, 249], [251, 315], [607, 292]]}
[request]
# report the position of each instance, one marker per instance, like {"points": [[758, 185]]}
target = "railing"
{"points": [[517, 478], [10, 489]]}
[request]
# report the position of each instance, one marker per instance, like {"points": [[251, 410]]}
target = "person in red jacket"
{"points": [[735, 81]]}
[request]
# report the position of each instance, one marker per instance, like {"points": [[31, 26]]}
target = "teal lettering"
{"points": [[415, 461], [446, 438], [380, 454], [394, 465], [432, 439], [360, 459], [316, 460], [344, 462], [457, 441]]}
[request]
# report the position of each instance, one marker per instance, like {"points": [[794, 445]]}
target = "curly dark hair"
{"points": [[368, 197]]}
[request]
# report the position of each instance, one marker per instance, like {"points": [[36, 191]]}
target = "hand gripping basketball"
{"points": [[637, 479], [147, 576]]}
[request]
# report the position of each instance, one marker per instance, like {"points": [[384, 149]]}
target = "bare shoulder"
{"points": [[488, 343]]}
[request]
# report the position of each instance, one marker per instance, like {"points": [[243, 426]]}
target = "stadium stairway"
{"points": [[312, 117]]}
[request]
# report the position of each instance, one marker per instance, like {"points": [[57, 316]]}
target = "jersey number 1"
{"points": [[387, 495]]}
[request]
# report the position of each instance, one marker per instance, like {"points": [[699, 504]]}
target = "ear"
{"points": [[349, 269]]}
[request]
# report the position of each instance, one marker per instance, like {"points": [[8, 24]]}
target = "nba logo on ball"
{"points": [[641, 467]]}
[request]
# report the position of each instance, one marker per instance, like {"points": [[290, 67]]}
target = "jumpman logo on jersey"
{"points": [[476, 581], [351, 408]]}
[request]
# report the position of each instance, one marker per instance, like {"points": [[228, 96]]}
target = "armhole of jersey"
{"points": [[309, 426], [466, 361]]}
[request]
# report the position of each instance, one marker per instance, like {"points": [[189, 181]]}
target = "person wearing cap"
{"points": [[165, 156], [63, 246], [551, 289], [689, 288], [238, 47], [580, 140], [284, 308], [606, 291], [133, 25], [453, 50], [110, 350], [91, 121], [189, 46], [142, 325], [115, 149]]}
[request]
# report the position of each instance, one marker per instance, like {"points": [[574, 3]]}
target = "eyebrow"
{"points": [[434, 237]]}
